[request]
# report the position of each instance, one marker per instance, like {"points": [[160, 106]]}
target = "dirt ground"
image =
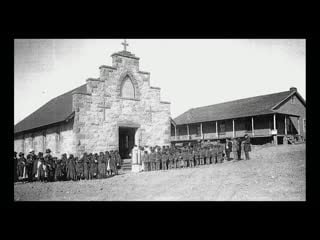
{"points": [[273, 173]]}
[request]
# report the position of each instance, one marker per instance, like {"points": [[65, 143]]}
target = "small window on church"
{"points": [[292, 99], [127, 90]]}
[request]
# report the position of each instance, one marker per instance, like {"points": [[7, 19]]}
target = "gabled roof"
{"points": [[252, 106], [54, 111]]}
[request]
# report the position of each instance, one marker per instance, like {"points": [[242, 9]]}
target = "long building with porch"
{"points": [[267, 118]]}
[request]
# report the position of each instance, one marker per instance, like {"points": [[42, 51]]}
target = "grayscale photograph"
{"points": [[159, 120]]}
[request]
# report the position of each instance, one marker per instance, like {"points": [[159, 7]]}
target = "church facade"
{"points": [[112, 112]]}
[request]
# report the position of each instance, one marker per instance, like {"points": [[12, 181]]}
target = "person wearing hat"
{"points": [[36, 165], [118, 159], [93, 166], [246, 147], [71, 168], [86, 166], [190, 157], [152, 159], [42, 173], [113, 163], [234, 149], [145, 161], [163, 159], [64, 161], [228, 148], [29, 166], [158, 158], [220, 148], [79, 168], [48, 159], [21, 166], [101, 166], [239, 148], [58, 174]]}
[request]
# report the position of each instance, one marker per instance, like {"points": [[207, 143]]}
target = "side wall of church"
{"points": [[58, 138]]}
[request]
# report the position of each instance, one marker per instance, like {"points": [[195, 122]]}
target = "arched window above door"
{"points": [[127, 88]]}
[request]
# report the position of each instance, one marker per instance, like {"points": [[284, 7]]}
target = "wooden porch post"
{"points": [[188, 131], [252, 124], [201, 131], [285, 125], [233, 133], [217, 135], [299, 125], [175, 132], [275, 138]]}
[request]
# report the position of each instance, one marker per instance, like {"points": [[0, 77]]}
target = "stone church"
{"points": [[112, 112]]}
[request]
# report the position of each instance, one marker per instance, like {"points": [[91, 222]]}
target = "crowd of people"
{"points": [[40, 167], [157, 158]]}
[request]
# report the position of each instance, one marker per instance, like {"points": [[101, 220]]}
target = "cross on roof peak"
{"points": [[125, 44]]}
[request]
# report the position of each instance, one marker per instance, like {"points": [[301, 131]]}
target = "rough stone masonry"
{"points": [[105, 107]]}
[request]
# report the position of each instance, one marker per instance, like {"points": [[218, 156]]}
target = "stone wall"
{"points": [[102, 110], [58, 138]]}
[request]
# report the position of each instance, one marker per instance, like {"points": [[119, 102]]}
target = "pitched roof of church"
{"points": [[54, 111], [252, 106]]}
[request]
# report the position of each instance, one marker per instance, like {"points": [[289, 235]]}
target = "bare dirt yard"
{"points": [[273, 173]]}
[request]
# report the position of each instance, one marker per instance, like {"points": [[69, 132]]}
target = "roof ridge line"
{"points": [[239, 99]]}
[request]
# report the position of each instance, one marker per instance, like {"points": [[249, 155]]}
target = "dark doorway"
{"points": [[126, 141]]}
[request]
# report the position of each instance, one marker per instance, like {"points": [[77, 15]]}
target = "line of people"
{"points": [[39, 167], [157, 158]]}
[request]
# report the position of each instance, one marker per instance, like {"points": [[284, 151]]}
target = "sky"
{"points": [[190, 72]]}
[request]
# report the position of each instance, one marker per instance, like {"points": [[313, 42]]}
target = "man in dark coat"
{"points": [[191, 157], [101, 166], [152, 160], [239, 148], [202, 155], [220, 148], [163, 159], [21, 166], [36, 165], [92, 166], [71, 168], [158, 158], [228, 148], [86, 165], [64, 161], [48, 159], [145, 161], [235, 149], [29, 167], [58, 174], [207, 155], [247, 147], [118, 159], [79, 168], [42, 169], [113, 163]]}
